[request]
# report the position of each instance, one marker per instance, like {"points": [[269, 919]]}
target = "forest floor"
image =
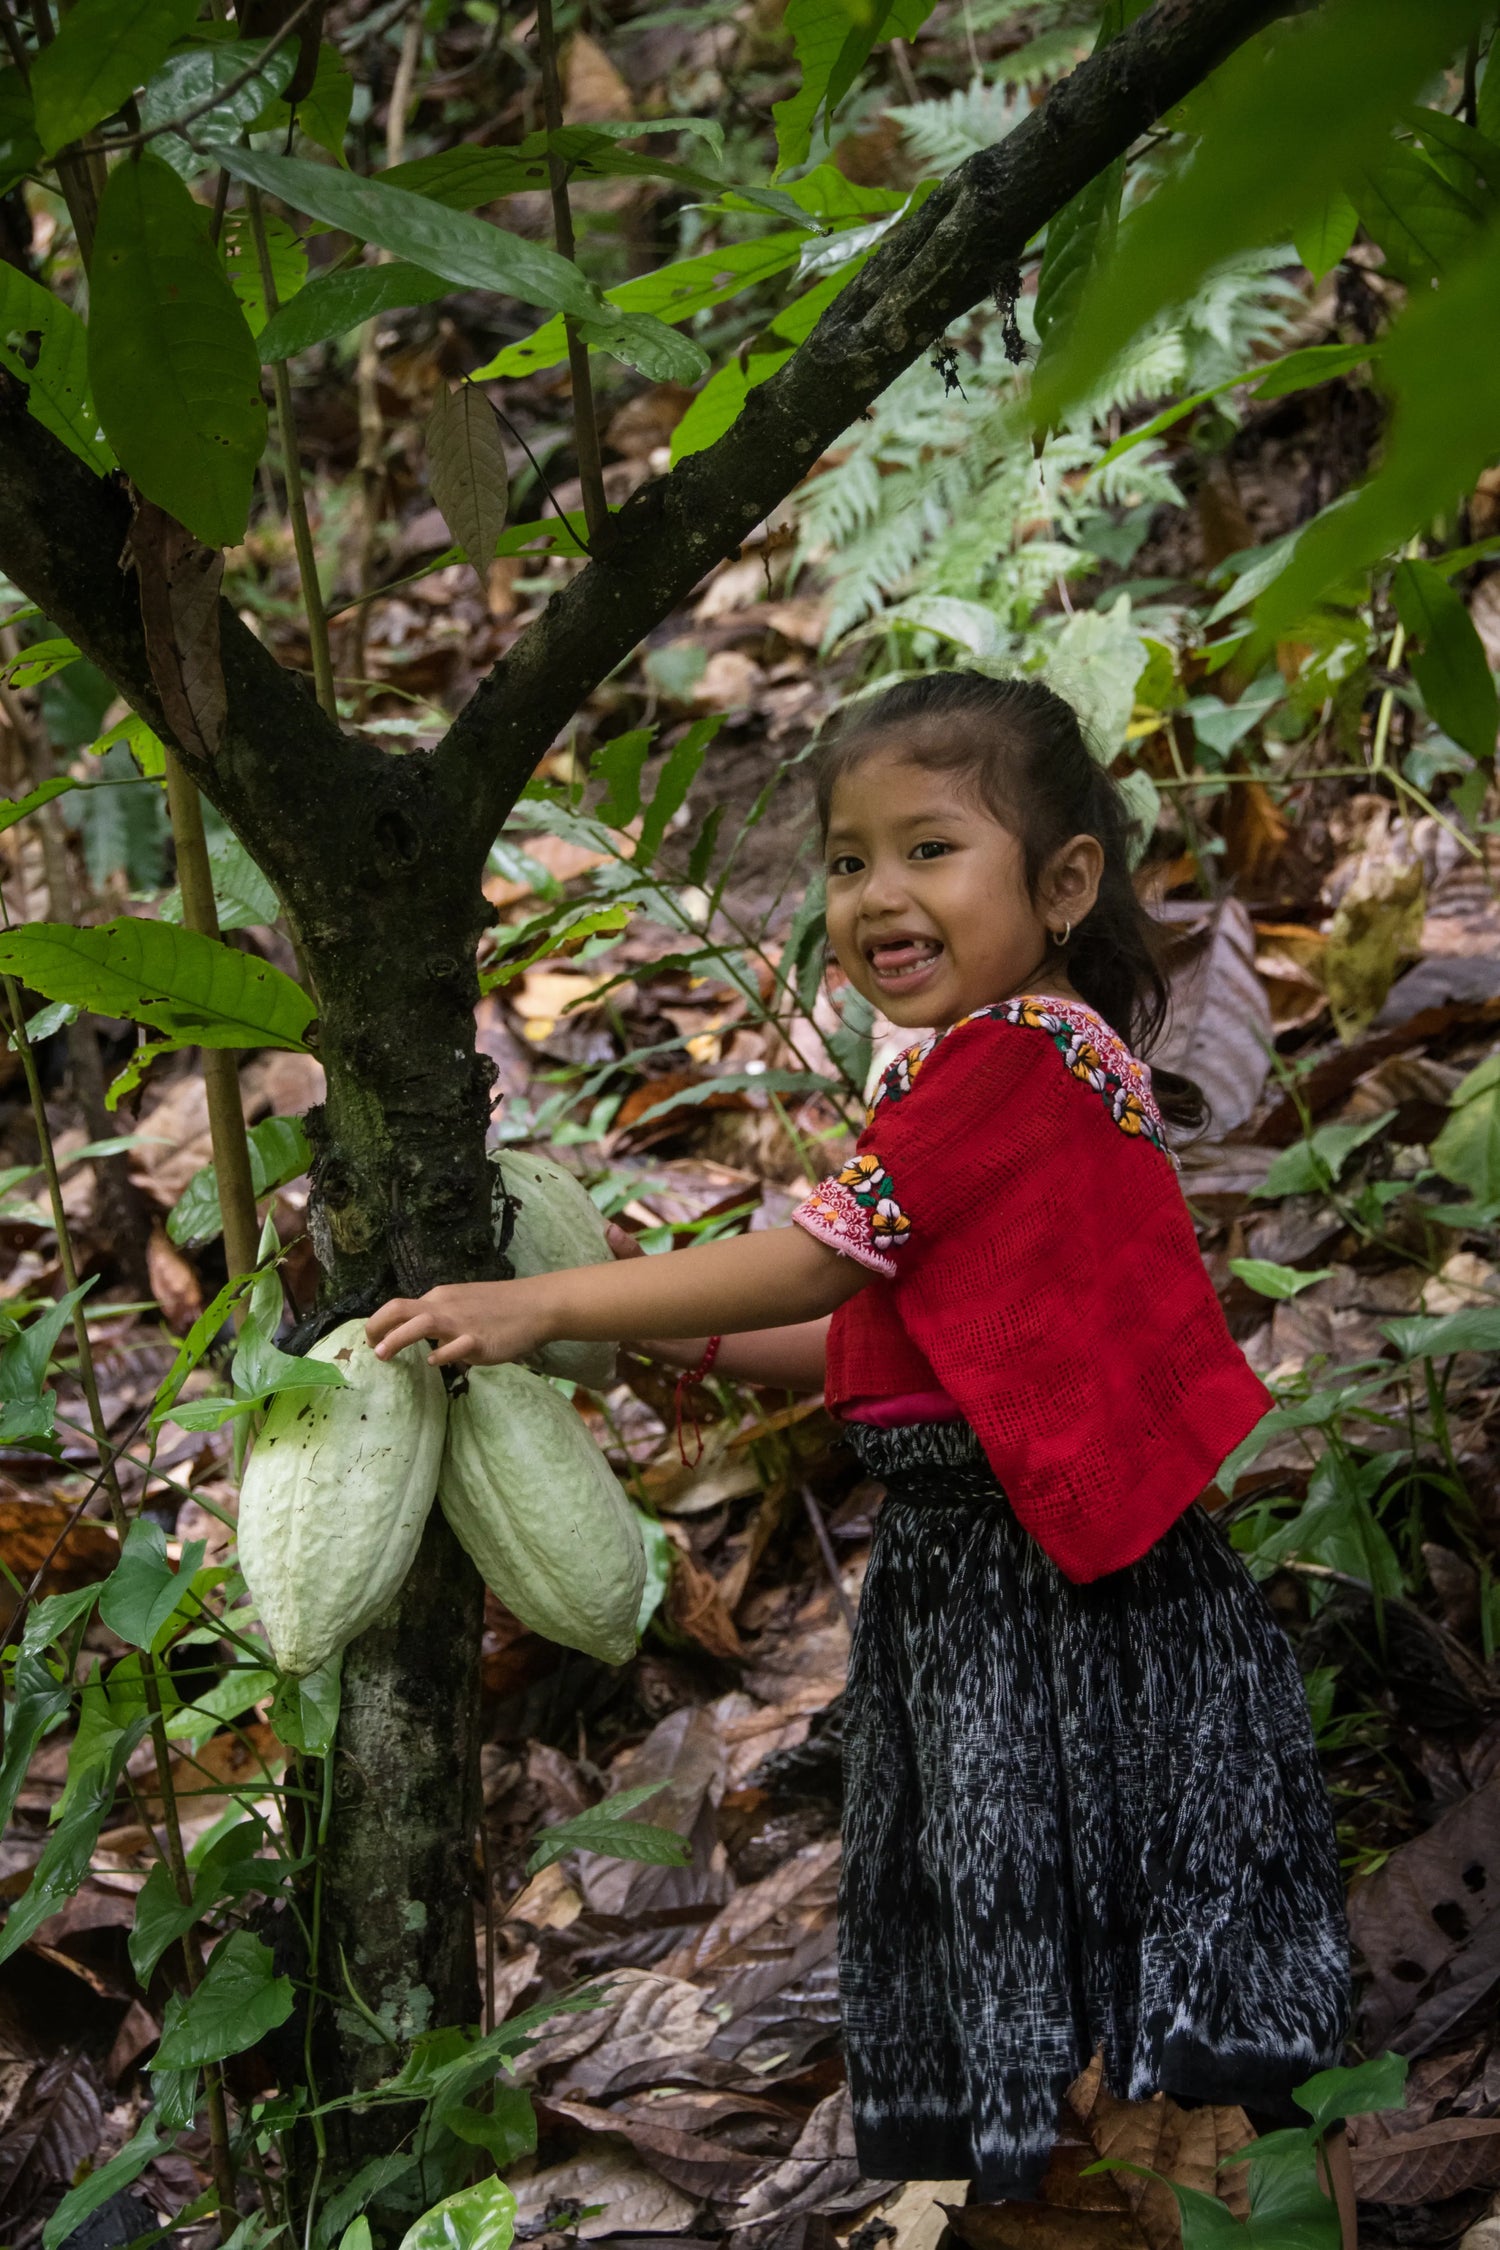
{"points": [[706, 2095]]}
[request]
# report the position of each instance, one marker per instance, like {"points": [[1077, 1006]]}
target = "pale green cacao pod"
{"points": [[557, 1224], [335, 1496], [533, 1501]]}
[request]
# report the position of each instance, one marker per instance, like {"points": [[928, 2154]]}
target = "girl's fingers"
{"points": [[622, 1242], [387, 1316], [462, 1347], [410, 1332]]}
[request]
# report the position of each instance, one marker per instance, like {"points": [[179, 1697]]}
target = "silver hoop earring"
{"points": [[1067, 932]]}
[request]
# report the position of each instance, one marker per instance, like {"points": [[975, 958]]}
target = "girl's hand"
{"points": [[482, 1322]]}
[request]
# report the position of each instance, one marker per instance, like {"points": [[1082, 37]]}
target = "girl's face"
{"points": [[928, 909]]}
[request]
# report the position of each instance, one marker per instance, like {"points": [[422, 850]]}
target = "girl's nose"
{"points": [[885, 887]]}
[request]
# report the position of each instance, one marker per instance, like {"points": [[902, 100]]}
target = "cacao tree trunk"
{"points": [[401, 1199]]}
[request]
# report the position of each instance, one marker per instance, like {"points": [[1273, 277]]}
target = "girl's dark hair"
{"points": [[1023, 749]]}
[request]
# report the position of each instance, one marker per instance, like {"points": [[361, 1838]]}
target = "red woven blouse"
{"points": [[1014, 1192]]}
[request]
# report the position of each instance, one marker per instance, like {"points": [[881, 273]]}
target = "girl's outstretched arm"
{"points": [[771, 1280], [783, 1359]]}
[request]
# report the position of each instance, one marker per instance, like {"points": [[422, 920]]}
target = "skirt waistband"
{"points": [[903, 1452]]}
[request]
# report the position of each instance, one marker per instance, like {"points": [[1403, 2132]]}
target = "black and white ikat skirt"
{"points": [[1076, 1818]]}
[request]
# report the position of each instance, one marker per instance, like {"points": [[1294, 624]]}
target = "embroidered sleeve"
{"points": [[858, 1215]]}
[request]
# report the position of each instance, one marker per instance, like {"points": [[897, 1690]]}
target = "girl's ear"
{"points": [[1069, 884]]}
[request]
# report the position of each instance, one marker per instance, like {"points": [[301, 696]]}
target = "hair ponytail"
{"points": [[1024, 749]]}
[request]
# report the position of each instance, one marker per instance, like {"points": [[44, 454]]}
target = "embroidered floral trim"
{"points": [[1087, 1045], [858, 1215]]}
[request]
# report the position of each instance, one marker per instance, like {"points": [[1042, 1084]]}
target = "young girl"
{"points": [[1083, 1805]]}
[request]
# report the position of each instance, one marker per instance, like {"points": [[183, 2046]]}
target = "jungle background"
{"points": [[1318, 837]]}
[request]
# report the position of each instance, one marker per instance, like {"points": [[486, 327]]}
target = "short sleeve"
{"points": [[859, 1214]]}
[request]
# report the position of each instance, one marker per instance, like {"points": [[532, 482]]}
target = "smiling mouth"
{"points": [[904, 959]]}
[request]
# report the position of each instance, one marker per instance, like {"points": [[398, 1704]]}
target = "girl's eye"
{"points": [[845, 864], [932, 849]]}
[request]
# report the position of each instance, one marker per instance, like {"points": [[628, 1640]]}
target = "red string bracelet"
{"points": [[685, 1380]]}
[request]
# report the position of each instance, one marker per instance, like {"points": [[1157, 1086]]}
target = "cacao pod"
{"points": [[556, 1224], [336, 1493], [533, 1501]]}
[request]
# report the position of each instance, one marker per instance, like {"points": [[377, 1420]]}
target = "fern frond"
{"points": [[941, 133]]}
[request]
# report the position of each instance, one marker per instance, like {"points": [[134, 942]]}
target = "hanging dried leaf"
{"points": [[466, 473], [179, 580], [1220, 1029]]}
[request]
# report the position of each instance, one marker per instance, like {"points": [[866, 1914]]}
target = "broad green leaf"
{"points": [[144, 1589], [240, 1999], [243, 897], [175, 2093], [1487, 107], [278, 1152], [323, 112], [39, 1698], [174, 367], [832, 49], [1468, 160], [305, 1714], [722, 396], [1439, 1335], [371, 2180], [104, 50], [145, 747], [648, 344], [672, 293], [675, 780], [1079, 239], [337, 302], [25, 1356], [143, 2147], [176, 981], [228, 1869], [469, 251], [1421, 222], [507, 2128], [482, 2217], [357, 2236], [595, 922], [288, 261], [605, 1829], [1326, 235], [241, 1686], [260, 1368], [57, 380], [65, 1860], [1443, 431], [160, 1920], [20, 150], [619, 766], [40, 661], [1271, 147], [1451, 669], [190, 77], [1270, 1280], [1467, 1150], [466, 472], [13, 809], [1332, 2095], [463, 178], [1312, 1166]]}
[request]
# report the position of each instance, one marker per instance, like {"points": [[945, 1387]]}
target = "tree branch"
{"points": [[282, 764], [932, 268]]}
